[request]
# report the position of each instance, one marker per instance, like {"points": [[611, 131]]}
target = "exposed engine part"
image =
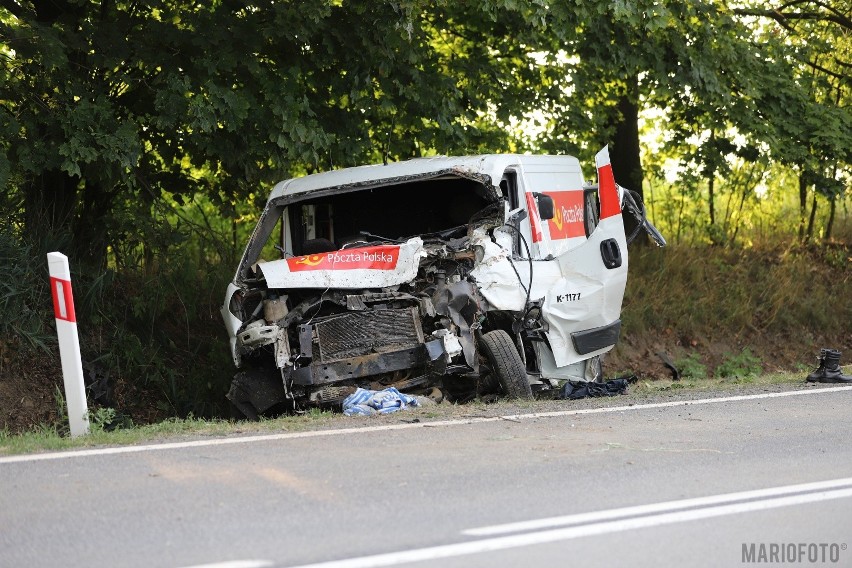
{"points": [[354, 334]]}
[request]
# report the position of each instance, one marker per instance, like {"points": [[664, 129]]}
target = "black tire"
{"points": [[506, 364]]}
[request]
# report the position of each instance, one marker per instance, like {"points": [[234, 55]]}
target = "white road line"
{"points": [[406, 426], [589, 529], [236, 564], [654, 508]]}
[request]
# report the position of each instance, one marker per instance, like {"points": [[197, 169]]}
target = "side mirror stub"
{"points": [[545, 205]]}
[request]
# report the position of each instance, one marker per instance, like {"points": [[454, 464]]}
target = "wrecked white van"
{"points": [[452, 277]]}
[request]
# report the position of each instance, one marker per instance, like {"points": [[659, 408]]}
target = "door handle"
{"points": [[611, 253]]}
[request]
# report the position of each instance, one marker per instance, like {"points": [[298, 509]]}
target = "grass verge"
{"points": [[50, 439]]}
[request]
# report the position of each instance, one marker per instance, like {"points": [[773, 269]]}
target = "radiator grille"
{"points": [[371, 331]]}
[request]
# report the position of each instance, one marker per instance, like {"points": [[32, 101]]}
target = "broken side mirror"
{"points": [[637, 209], [516, 217], [545, 205]]}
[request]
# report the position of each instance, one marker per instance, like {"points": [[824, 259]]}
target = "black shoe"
{"points": [[819, 373], [832, 372]]}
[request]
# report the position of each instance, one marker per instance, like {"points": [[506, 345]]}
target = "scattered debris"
{"points": [[669, 365], [574, 390], [98, 387], [366, 402]]}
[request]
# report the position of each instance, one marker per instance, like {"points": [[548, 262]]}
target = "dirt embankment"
{"points": [[30, 388], [641, 354], [689, 304], [31, 391]]}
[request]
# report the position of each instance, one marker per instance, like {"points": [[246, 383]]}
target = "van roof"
{"points": [[491, 165]]}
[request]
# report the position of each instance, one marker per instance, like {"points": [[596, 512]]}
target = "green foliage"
{"points": [[837, 258], [160, 103], [741, 366], [24, 293], [101, 419], [691, 367], [158, 333], [163, 333], [61, 424], [111, 113]]}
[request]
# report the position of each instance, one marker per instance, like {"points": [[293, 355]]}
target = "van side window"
{"points": [[509, 189], [278, 243], [591, 208], [511, 192]]}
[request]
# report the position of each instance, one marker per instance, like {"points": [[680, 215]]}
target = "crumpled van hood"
{"points": [[352, 268]]}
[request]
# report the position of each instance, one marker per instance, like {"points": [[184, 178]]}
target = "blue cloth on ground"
{"points": [[366, 402]]}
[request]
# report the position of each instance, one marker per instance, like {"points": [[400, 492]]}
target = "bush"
{"points": [[162, 334], [691, 367], [712, 291], [739, 366], [24, 293], [155, 336]]}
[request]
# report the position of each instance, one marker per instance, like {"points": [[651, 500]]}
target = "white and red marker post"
{"points": [[69, 343]]}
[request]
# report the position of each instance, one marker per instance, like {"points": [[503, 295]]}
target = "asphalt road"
{"points": [[714, 484]]}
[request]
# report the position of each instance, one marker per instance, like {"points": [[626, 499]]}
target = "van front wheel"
{"points": [[506, 364]]}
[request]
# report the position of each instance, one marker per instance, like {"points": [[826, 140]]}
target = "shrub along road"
{"points": [[601, 486]]}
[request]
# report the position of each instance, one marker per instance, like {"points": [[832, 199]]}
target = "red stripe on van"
{"points": [[610, 204]]}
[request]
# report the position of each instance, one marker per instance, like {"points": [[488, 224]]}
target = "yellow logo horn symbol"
{"points": [[311, 260], [557, 218]]}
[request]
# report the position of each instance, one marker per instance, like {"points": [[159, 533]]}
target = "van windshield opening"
{"points": [[394, 212]]}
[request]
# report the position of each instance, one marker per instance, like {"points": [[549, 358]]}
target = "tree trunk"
{"points": [[803, 204], [830, 224], [711, 181], [90, 227], [625, 156], [810, 232], [747, 188], [70, 216], [711, 184], [148, 258], [626, 160], [49, 203]]}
